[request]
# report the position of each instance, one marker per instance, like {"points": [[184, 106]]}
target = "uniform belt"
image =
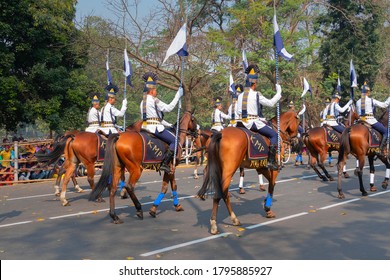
{"points": [[107, 124], [92, 123], [329, 117], [217, 123], [369, 115], [153, 119]]}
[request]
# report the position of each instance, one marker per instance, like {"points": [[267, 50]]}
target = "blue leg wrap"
{"points": [[121, 185], [268, 201], [175, 198], [158, 199], [300, 158]]}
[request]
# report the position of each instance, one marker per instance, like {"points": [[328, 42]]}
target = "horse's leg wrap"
{"points": [[57, 190], [78, 189], [268, 202], [158, 199], [176, 202], [213, 227]]}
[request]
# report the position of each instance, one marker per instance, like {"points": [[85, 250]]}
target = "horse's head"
{"points": [[289, 123], [188, 123], [351, 117]]}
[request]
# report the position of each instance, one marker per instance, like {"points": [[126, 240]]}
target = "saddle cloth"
{"points": [[153, 149], [333, 138], [101, 147], [375, 138], [257, 148]]}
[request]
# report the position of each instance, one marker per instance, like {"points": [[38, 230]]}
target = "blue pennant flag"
{"points": [[338, 85], [109, 78], [232, 88], [178, 45], [353, 78], [128, 71], [244, 60], [278, 43]]}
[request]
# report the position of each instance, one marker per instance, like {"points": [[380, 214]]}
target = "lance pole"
{"points": [[178, 113]]}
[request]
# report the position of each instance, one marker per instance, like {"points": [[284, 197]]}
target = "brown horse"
{"points": [[126, 151], [77, 147], [316, 143], [355, 140], [201, 140], [227, 151]]}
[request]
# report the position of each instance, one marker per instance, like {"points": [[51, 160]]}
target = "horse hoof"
{"points": [[57, 194], [140, 215], [331, 178], [66, 203], [262, 188], [364, 194], [196, 177], [236, 223], [118, 221], [373, 189], [355, 172], [179, 208], [242, 191], [270, 214], [100, 200], [152, 211], [341, 196], [384, 185], [324, 179], [346, 175]]}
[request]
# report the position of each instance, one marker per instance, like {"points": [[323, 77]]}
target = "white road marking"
{"points": [[170, 248], [16, 224]]}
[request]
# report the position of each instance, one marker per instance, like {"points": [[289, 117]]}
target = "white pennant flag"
{"points": [[306, 87], [178, 45]]}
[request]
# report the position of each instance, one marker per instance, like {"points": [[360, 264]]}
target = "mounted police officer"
{"points": [[365, 108], [218, 117], [152, 110], [109, 113], [93, 117], [249, 109], [333, 110], [232, 111]]}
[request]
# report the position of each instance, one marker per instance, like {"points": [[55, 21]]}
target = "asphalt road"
{"points": [[311, 222]]}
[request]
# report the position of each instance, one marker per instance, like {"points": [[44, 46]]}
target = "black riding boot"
{"points": [[166, 160], [383, 144], [272, 157]]}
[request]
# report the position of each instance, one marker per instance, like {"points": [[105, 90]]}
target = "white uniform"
{"points": [[218, 120], [335, 109], [93, 120], [154, 108], [369, 110], [252, 117], [109, 113]]}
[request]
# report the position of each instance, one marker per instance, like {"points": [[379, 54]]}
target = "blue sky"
{"points": [[100, 8]]}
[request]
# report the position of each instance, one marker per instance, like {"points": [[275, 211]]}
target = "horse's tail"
{"points": [[58, 151], [110, 157], [345, 145], [213, 174]]}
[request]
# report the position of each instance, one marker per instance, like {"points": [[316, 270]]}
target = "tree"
{"points": [[353, 30], [41, 73]]}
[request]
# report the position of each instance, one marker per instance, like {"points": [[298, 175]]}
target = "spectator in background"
{"points": [[6, 156]]}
